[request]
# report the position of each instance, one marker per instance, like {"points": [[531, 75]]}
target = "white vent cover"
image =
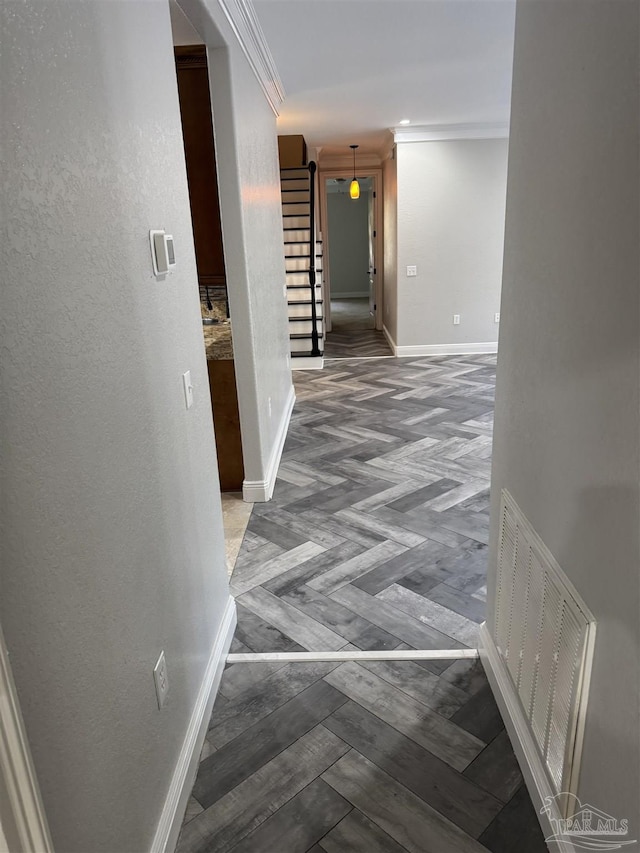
{"points": [[545, 634]]}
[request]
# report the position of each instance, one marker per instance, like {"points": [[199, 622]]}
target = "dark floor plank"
{"points": [[396, 810], [432, 691], [445, 789], [232, 717], [340, 619], [261, 636], [375, 639], [274, 532], [243, 809], [424, 494], [428, 729], [398, 567], [480, 716], [459, 601], [496, 768], [243, 756], [301, 822], [397, 623], [516, 827], [467, 675], [357, 834]]}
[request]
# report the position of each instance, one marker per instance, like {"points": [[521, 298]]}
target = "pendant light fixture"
{"points": [[354, 189]]}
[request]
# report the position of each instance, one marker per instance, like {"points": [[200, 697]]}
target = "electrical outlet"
{"points": [[412, 270], [456, 319], [161, 680], [188, 389], [496, 317]]}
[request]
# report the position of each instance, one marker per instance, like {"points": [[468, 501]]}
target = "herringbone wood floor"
{"points": [[375, 538]]}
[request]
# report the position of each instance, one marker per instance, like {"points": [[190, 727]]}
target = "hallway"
{"points": [[375, 539]]}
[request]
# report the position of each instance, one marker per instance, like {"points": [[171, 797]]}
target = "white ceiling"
{"points": [[352, 69]]}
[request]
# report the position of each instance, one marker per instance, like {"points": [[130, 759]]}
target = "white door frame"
{"points": [[22, 816], [346, 172]]}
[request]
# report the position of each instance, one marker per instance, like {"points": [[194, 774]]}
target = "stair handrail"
{"points": [[315, 340]]}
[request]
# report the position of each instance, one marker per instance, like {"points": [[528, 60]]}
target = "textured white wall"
{"points": [[251, 212], [112, 542], [566, 429], [451, 207], [390, 283], [348, 221]]}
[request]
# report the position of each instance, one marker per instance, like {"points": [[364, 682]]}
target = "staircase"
{"points": [[303, 262]]}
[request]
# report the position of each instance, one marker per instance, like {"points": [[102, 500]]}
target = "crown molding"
{"points": [[246, 27], [439, 132]]}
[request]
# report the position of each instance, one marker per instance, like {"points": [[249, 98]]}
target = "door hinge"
{"points": [[374, 195], [375, 307], [374, 233], [375, 271]]}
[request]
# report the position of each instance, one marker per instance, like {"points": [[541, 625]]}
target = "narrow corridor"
{"points": [[376, 538]]}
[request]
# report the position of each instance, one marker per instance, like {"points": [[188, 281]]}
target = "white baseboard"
{"points": [[517, 726], [307, 363], [186, 768], [258, 491], [447, 349], [390, 341]]}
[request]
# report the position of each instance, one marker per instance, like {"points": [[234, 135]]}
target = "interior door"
{"points": [[372, 254]]}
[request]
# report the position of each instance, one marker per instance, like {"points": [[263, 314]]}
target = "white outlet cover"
{"points": [[412, 270], [161, 680], [496, 317], [456, 319]]}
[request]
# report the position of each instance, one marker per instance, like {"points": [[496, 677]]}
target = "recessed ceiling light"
{"points": [[405, 121]]}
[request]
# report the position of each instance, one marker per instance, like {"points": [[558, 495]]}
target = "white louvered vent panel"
{"points": [[570, 640], [506, 561], [520, 594], [545, 634], [532, 623], [544, 664]]}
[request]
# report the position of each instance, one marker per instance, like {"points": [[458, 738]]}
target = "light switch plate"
{"points": [[188, 389], [456, 319], [412, 270], [161, 680]]}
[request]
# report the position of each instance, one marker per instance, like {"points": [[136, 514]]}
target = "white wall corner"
{"points": [[439, 132], [446, 349], [390, 341], [22, 814], [186, 768], [517, 726], [259, 491], [246, 27]]}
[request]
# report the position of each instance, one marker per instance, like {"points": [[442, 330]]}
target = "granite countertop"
{"points": [[218, 342]]}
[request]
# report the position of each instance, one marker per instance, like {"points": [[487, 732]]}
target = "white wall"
{"points": [[566, 429], [451, 203], [348, 221], [390, 232], [250, 207], [111, 526]]}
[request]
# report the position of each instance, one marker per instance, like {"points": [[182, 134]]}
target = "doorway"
{"points": [[192, 73], [198, 137], [351, 264]]}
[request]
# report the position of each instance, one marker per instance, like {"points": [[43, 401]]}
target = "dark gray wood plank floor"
{"points": [[375, 539]]}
